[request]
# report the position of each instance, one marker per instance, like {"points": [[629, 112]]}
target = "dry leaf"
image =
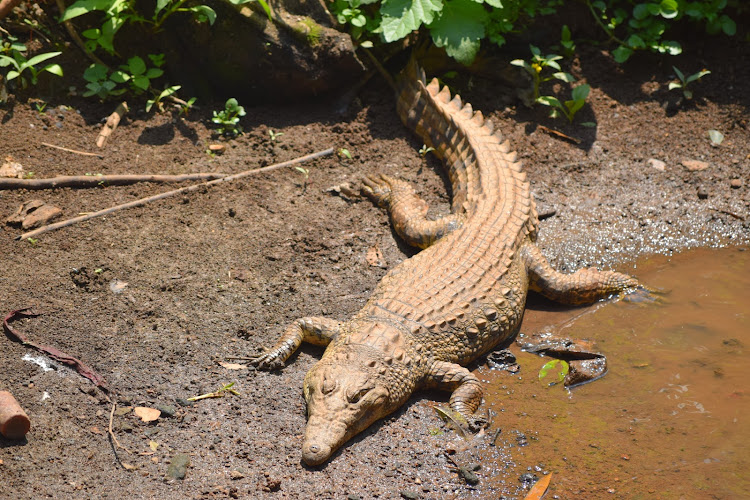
{"points": [[539, 489], [96, 430], [147, 414], [374, 257], [128, 466], [153, 445], [232, 366]]}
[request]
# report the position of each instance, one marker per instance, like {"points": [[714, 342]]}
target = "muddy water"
{"points": [[671, 419]]}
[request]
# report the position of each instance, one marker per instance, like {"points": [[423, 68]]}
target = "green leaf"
{"points": [[549, 100], [160, 4], [41, 58], [92, 34], [154, 73], [55, 69], [641, 12], [7, 61], [674, 85], [669, 9], [636, 42], [203, 12], [728, 26], [266, 8], [566, 77], [136, 65], [557, 369], [574, 105], [401, 17], [119, 76], [670, 47], [679, 73], [82, 7], [141, 82], [498, 4], [95, 73], [588, 124], [581, 92], [12, 74], [622, 54], [460, 29]]}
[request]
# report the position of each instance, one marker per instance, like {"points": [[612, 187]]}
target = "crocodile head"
{"points": [[346, 392]]}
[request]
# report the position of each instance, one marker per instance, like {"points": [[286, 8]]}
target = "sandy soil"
{"points": [[155, 298]]}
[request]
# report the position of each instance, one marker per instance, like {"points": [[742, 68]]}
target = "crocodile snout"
{"points": [[315, 453]]}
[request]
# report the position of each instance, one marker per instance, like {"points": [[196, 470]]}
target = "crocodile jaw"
{"points": [[343, 399]]}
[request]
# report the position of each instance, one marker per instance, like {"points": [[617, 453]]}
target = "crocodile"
{"points": [[455, 300]]}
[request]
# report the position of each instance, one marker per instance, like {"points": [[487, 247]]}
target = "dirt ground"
{"points": [[155, 298]]}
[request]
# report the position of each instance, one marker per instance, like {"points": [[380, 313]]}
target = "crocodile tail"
{"points": [[445, 123]]}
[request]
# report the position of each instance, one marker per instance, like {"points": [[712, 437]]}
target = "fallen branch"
{"points": [[98, 180], [84, 153], [112, 122], [52, 352], [187, 189]]}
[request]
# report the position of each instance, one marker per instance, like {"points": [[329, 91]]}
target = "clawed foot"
{"points": [[377, 188], [643, 294], [266, 361]]}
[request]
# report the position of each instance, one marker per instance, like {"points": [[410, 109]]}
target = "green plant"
{"points": [[306, 173], [274, 135], [156, 101], [229, 118], [344, 153], [570, 107], [424, 150], [538, 64], [135, 73], [26, 70], [40, 106], [685, 81]]}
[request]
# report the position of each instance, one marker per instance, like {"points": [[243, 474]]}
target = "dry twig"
{"points": [[113, 439], [98, 180], [84, 153], [186, 189]]}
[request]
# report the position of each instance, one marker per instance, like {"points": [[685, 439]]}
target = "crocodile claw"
{"points": [[377, 188], [643, 294], [266, 361]]}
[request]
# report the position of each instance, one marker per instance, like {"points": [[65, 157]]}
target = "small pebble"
{"points": [[178, 466], [702, 193], [657, 164], [468, 475], [410, 495], [736, 183], [694, 165], [166, 410]]}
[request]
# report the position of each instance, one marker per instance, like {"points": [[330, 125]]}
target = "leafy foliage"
{"points": [[460, 26], [684, 81], [228, 119], [25, 70]]}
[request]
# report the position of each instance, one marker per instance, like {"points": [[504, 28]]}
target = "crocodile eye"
{"points": [[357, 396]]}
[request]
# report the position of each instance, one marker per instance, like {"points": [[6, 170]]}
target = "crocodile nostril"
{"points": [[314, 448]]}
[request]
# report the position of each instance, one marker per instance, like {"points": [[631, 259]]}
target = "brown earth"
{"points": [[218, 272]]}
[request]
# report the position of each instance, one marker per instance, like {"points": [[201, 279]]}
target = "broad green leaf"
{"points": [[266, 8], [640, 11], [460, 29], [141, 82], [622, 54], [566, 77], [498, 4], [573, 107], [674, 85], [154, 73], [41, 58], [160, 4], [636, 42], [204, 12], [670, 47], [119, 76], [553, 64], [12, 74], [728, 26], [669, 9], [82, 7], [95, 73], [7, 61], [581, 92], [92, 34], [549, 100], [557, 369], [401, 17], [55, 69], [136, 65]]}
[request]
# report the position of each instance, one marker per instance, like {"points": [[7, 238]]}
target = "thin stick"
{"points": [[113, 439], [92, 181], [194, 187], [84, 153]]}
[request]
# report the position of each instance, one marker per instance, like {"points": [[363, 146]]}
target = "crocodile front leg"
{"points": [[467, 390], [407, 211], [581, 287], [313, 330]]}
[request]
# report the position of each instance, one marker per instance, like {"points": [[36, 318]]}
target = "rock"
{"points": [[409, 495], [468, 475], [178, 466], [235, 475], [695, 165], [34, 213], [184, 402], [166, 410], [657, 164], [702, 193], [11, 169], [735, 183]]}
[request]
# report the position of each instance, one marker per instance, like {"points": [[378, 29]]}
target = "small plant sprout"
{"points": [[26, 71], [344, 153], [567, 108], [424, 150], [229, 118], [157, 100], [306, 173], [32, 241], [275, 136], [226, 388], [40, 107], [537, 65], [685, 81]]}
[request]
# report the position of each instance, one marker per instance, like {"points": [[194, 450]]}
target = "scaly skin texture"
{"points": [[449, 304]]}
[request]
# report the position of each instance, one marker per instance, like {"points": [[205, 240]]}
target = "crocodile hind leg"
{"points": [[466, 389], [313, 330], [407, 211], [581, 287]]}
